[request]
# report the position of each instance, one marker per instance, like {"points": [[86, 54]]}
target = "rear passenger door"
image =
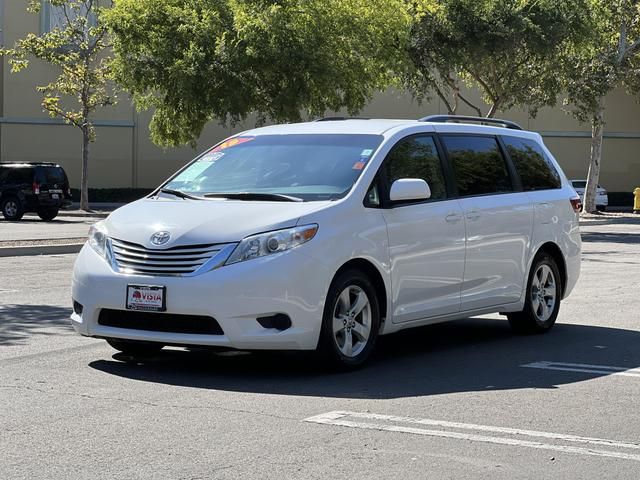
{"points": [[498, 217], [542, 183], [426, 238]]}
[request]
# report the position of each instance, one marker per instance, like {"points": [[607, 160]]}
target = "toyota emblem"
{"points": [[160, 238]]}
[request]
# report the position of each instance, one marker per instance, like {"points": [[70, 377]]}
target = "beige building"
{"points": [[123, 155]]}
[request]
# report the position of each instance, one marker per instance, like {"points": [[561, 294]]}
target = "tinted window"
{"points": [[50, 175], [417, 157], [579, 184], [312, 167], [20, 175], [535, 169], [479, 166]]}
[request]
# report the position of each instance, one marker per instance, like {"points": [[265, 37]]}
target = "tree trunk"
{"points": [[84, 184], [597, 132]]}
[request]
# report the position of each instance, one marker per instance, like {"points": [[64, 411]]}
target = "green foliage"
{"points": [[510, 50], [193, 61], [609, 59], [76, 49]]}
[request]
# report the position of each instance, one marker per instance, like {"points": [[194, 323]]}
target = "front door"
{"points": [[426, 239]]}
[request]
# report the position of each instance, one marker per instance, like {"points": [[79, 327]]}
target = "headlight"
{"points": [[99, 240], [271, 242]]}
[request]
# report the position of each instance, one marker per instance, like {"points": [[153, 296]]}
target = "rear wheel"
{"points": [[135, 348], [351, 320], [12, 209], [542, 302], [48, 214]]}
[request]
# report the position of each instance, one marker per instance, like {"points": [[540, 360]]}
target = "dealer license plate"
{"points": [[150, 298]]}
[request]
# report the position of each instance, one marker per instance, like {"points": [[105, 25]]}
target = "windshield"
{"points": [[309, 167]]}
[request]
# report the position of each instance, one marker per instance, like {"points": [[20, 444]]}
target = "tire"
{"points": [[601, 208], [347, 340], [12, 209], [540, 308], [135, 348], [48, 214]]}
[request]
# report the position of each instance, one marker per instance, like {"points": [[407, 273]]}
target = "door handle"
{"points": [[453, 217], [473, 215]]}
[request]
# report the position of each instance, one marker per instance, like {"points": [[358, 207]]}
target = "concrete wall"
{"points": [[123, 155]]}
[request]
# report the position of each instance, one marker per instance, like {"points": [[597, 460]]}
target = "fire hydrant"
{"points": [[636, 200]]}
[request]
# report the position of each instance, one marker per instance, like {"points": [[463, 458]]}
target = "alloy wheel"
{"points": [[352, 321], [11, 208], [543, 293]]}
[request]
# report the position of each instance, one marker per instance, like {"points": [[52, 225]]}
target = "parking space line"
{"points": [[391, 423], [585, 368]]}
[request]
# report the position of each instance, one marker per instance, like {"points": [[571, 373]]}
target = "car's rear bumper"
{"points": [[236, 295], [33, 203]]}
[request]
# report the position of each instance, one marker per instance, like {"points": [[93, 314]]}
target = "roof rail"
{"points": [[47, 164], [333, 119], [462, 119]]}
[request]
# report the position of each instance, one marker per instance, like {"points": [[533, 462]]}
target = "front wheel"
{"points": [[135, 348], [351, 320], [542, 302]]}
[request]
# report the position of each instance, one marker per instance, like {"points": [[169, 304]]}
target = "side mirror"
{"points": [[409, 189]]}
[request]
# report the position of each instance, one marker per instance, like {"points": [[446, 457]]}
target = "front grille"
{"points": [[181, 260], [159, 322]]}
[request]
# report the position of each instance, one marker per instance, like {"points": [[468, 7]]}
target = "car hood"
{"points": [[194, 222]]}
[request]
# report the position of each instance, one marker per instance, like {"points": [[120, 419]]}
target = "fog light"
{"points": [[279, 321], [77, 308]]}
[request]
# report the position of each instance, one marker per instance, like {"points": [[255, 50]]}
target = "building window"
{"points": [[55, 16]]}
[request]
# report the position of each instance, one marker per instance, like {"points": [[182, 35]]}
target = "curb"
{"points": [[40, 250], [75, 213]]}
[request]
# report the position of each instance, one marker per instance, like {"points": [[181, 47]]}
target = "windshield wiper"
{"points": [[179, 194], [278, 197]]}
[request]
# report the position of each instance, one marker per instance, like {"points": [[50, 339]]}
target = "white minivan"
{"points": [[325, 235]]}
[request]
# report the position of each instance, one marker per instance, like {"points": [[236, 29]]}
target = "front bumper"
{"points": [[235, 295]]}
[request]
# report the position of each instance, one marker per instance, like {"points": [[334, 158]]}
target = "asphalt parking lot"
{"points": [[466, 399]]}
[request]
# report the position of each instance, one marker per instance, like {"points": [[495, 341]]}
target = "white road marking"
{"points": [[389, 423], [585, 368]]}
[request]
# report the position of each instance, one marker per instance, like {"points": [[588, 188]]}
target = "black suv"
{"points": [[33, 187]]}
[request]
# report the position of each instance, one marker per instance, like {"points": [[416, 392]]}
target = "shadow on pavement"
{"points": [[17, 322], [606, 219], [606, 237], [466, 355]]}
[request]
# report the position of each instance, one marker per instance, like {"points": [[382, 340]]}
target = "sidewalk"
{"points": [[98, 210], [31, 236]]}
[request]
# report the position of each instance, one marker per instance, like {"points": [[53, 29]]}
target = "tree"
{"points": [[610, 59], [76, 46], [193, 61], [509, 50]]}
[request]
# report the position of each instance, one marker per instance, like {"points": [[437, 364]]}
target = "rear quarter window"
{"points": [[532, 164], [19, 176]]}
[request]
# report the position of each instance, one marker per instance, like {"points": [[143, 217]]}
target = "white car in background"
{"points": [[325, 235], [602, 199]]}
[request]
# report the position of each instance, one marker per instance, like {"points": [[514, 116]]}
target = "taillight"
{"points": [[576, 204], [36, 188]]}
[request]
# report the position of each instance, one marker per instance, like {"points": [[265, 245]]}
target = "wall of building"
{"points": [[123, 155]]}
